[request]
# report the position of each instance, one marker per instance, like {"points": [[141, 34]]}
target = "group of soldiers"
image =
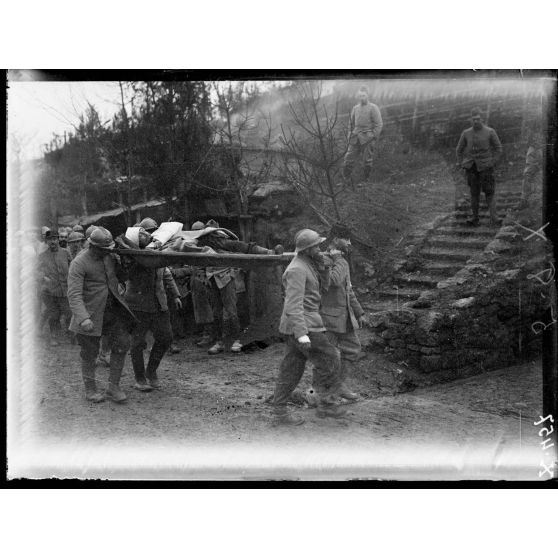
{"points": [[111, 302]]}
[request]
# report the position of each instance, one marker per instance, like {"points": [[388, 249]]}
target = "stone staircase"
{"points": [[447, 249]]}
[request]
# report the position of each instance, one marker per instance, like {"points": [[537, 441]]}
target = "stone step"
{"points": [[484, 207], [508, 196], [500, 199], [447, 269], [447, 254], [458, 229], [464, 215], [458, 241], [401, 294], [419, 281]]}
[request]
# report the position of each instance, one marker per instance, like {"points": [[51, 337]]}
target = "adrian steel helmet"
{"points": [[149, 224], [89, 230], [197, 226], [306, 238], [78, 228], [75, 237], [101, 238]]}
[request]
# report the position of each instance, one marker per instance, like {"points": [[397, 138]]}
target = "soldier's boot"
{"points": [[88, 375], [52, 334], [329, 407], [282, 417], [116, 365], [155, 357], [139, 370], [343, 390]]}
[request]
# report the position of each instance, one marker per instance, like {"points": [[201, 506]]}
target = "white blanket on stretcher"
{"points": [[169, 232]]}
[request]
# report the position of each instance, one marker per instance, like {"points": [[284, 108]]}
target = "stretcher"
{"points": [[195, 256]]}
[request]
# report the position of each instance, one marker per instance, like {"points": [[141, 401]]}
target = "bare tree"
{"points": [[244, 132], [313, 149], [129, 174]]}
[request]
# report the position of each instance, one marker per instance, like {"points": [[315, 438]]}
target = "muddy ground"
{"points": [[221, 401]]}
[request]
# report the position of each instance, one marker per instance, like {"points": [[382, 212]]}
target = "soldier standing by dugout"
{"points": [[478, 151], [99, 309], [304, 280], [53, 268]]}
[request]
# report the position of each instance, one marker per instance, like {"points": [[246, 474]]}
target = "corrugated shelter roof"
{"points": [[67, 220]]}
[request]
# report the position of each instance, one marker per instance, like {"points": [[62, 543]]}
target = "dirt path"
{"points": [[220, 401]]}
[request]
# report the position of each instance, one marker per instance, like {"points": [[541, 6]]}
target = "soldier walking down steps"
{"points": [[478, 151], [98, 309], [304, 280]]}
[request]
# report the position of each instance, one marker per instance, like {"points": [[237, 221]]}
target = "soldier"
{"points": [[365, 125], [89, 230], [478, 151], [181, 275], [63, 238], [99, 309], [342, 313], [53, 279], [76, 241], [222, 287], [146, 297], [304, 280], [201, 303]]}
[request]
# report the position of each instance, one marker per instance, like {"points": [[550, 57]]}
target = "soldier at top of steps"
{"points": [[365, 125], [478, 151]]}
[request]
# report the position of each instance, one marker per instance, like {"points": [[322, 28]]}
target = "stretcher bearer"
{"points": [[342, 314], [222, 287], [146, 297], [304, 280], [98, 309]]}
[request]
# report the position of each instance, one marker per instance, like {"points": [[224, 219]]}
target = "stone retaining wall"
{"points": [[481, 318]]}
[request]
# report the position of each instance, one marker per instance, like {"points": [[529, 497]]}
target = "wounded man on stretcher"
{"points": [[206, 247]]}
